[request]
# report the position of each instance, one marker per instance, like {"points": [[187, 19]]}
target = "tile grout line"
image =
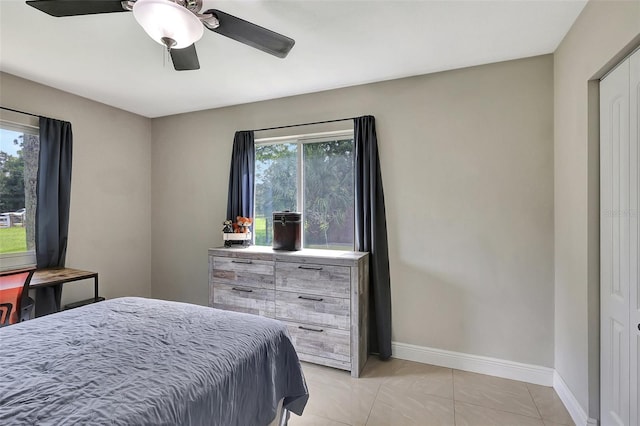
{"points": [[373, 403], [543, 419], [509, 412], [453, 391], [534, 402], [502, 411]]}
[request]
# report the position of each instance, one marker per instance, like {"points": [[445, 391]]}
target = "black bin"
{"points": [[83, 302], [287, 230]]}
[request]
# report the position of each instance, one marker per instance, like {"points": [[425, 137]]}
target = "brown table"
{"points": [[53, 276]]}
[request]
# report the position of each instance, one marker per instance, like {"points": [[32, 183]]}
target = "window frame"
{"points": [[23, 259], [300, 140]]}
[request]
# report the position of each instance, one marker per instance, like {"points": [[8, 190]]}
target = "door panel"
{"points": [[634, 206], [618, 335], [615, 246]]}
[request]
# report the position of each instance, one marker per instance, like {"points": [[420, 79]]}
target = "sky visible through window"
{"points": [[6, 141]]}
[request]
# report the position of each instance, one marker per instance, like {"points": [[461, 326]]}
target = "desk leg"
{"points": [[95, 288]]}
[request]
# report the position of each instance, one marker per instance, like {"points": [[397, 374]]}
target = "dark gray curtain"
{"points": [[371, 233], [52, 213], [241, 176]]}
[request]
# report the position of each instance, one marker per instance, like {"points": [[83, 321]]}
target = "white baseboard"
{"points": [[497, 367], [578, 415], [475, 363]]}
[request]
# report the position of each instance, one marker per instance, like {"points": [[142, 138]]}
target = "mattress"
{"points": [[136, 361]]}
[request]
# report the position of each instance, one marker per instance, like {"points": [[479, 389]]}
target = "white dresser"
{"points": [[322, 296]]}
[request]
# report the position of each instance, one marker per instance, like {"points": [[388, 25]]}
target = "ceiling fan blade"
{"points": [[59, 8], [251, 34], [185, 59]]}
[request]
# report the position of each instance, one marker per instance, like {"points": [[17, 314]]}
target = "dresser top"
{"points": [[305, 255]]}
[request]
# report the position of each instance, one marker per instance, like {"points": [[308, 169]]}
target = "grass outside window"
{"points": [[13, 240]]}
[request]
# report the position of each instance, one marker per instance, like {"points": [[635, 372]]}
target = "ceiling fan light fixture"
{"points": [[168, 23]]}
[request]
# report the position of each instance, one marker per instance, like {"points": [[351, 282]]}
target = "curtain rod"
{"points": [[304, 124], [20, 112]]}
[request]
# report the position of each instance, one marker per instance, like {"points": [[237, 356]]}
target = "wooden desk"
{"points": [[53, 276]]}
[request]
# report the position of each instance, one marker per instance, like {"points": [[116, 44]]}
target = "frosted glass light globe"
{"points": [[164, 19]]}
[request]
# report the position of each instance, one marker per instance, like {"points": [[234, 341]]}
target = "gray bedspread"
{"points": [[135, 361]]}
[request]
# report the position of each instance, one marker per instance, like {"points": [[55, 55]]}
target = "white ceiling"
{"points": [[110, 59]]}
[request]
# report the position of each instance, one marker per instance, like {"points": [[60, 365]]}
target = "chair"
{"points": [[5, 313], [15, 303]]}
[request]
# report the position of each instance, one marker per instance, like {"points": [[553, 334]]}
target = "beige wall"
{"points": [[601, 35], [109, 229], [467, 164]]}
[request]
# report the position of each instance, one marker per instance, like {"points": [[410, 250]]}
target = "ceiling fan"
{"points": [[176, 24]]}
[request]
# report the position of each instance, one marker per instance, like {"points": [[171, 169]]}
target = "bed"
{"points": [[136, 361]]}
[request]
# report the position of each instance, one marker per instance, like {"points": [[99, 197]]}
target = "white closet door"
{"points": [[615, 247], [634, 204]]}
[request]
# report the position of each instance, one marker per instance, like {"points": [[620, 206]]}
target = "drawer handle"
{"points": [[244, 290], [311, 268], [317, 330], [246, 262], [315, 299]]}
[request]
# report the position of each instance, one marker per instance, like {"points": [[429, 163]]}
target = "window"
{"points": [[312, 175], [19, 148]]}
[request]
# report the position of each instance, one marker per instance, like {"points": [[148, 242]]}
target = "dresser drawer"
{"points": [[306, 278], [330, 330], [313, 309], [244, 272], [258, 301], [319, 341]]}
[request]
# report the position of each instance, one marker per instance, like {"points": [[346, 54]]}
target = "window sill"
{"points": [[25, 259]]}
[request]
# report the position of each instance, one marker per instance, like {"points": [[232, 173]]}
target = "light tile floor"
{"points": [[404, 393]]}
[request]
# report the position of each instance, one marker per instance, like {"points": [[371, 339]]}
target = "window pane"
{"points": [[276, 177], [18, 178], [328, 195]]}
